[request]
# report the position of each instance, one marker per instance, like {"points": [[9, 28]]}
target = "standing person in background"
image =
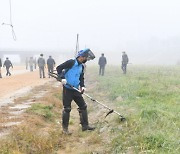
{"points": [[0, 68], [26, 63], [102, 62], [41, 64], [7, 64], [125, 61], [34, 63], [31, 62], [50, 64]]}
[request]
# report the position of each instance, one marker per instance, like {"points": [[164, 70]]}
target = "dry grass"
{"points": [[26, 139], [22, 99], [36, 134]]}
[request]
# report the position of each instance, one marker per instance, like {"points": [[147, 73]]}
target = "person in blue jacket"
{"points": [[72, 72]]}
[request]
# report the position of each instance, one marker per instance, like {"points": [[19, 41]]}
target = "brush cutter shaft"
{"points": [[90, 97], [56, 76], [53, 75], [118, 113], [102, 104], [96, 101]]}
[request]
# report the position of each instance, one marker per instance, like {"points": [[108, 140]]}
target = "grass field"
{"points": [[149, 97]]}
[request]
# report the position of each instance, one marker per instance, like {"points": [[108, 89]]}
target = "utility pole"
{"points": [[77, 45]]}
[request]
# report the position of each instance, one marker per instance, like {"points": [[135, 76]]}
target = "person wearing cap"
{"points": [[7, 64], [41, 64], [50, 64], [125, 61], [102, 62], [72, 72]]}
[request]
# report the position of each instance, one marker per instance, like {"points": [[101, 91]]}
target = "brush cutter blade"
{"points": [[122, 119]]}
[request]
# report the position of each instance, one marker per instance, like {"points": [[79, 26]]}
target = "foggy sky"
{"points": [[148, 30]]}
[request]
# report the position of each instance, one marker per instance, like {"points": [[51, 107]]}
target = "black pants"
{"points": [[124, 67], [41, 72], [69, 95], [101, 70], [8, 72], [50, 69]]}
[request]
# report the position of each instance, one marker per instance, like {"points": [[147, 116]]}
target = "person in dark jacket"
{"points": [[102, 62], [41, 64], [50, 64], [0, 68], [72, 72], [125, 61], [7, 64]]}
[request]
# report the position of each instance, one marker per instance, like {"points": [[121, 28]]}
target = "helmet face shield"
{"points": [[90, 56], [86, 53]]}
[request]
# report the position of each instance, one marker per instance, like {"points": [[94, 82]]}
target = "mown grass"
{"points": [[150, 102]]}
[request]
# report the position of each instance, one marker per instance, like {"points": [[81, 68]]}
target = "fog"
{"points": [[13, 57], [147, 30]]}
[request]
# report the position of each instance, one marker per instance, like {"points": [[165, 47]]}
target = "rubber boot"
{"points": [[84, 120], [65, 122]]}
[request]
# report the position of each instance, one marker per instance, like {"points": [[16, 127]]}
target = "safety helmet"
{"points": [[86, 53]]}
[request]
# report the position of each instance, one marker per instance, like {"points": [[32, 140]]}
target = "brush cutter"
{"points": [[92, 99]]}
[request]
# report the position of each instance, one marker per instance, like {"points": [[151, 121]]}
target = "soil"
{"points": [[19, 79], [12, 87]]}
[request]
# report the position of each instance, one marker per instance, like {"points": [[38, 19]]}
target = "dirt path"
{"points": [[12, 87], [20, 79]]}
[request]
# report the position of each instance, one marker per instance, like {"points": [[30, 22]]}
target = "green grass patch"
{"points": [[150, 101], [42, 110]]}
